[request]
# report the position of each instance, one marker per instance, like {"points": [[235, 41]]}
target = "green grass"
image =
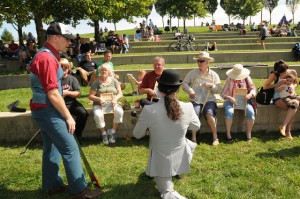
{"points": [[266, 168]]}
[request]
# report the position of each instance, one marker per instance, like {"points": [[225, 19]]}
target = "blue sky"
{"points": [[219, 16]]}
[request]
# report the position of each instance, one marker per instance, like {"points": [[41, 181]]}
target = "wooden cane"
{"points": [[33, 137]]}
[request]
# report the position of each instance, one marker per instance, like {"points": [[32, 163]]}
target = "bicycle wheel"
{"points": [[174, 46], [191, 46]]}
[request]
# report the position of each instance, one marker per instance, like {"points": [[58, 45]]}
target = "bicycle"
{"points": [[189, 45]]}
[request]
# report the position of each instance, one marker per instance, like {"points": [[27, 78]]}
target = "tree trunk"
{"points": [[20, 30], [183, 25], [162, 18], [115, 26], [229, 19], [270, 17], [194, 20], [39, 30], [178, 23], [96, 30], [170, 22]]}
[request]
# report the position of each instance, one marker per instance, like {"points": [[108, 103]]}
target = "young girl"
{"points": [[287, 94]]}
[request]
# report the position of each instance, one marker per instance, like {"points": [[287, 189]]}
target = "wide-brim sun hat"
{"points": [[56, 28], [170, 77], [238, 72], [204, 55]]}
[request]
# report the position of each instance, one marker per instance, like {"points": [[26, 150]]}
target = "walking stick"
{"points": [[33, 137], [92, 175]]}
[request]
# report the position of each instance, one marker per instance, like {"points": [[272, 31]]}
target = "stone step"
{"points": [[220, 47], [21, 127], [232, 41], [221, 57], [257, 72]]}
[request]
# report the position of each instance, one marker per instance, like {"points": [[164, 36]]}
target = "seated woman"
{"points": [[106, 84], [281, 69], [238, 77], [170, 152]]}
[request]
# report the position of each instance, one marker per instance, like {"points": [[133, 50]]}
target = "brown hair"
{"points": [[172, 105]]}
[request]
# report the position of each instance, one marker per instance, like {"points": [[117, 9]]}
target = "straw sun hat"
{"points": [[204, 55], [238, 72]]}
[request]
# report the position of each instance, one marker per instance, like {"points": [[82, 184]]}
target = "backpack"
{"points": [[296, 51], [264, 96]]}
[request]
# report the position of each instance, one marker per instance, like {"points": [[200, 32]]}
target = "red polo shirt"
{"points": [[45, 67], [149, 81]]}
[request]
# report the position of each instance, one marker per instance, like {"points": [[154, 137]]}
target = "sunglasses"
{"points": [[65, 67], [201, 61]]}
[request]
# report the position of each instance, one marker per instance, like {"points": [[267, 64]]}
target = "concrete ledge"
{"points": [[23, 81], [20, 126]]}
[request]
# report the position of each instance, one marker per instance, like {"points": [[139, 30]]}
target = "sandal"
{"points": [[229, 141], [249, 140], [282, 132]]}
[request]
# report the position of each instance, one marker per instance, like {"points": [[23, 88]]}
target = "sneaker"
{"points": [[249, 140], [87, 193], [215, 142], [105, 139], [111, 136]]}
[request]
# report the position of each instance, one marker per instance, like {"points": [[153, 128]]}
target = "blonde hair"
{"points": [[141, 72], [65, 62]]}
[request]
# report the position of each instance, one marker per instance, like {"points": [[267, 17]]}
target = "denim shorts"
{"points": [[209, 108]]}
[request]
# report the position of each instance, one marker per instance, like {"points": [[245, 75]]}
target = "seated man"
{"points": [[4, 51], [86, 69], [243, 30], [71, 91], [148, 85], [14, 49]]}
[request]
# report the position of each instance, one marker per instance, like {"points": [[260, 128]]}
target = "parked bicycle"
{"points": [[189, 45]]}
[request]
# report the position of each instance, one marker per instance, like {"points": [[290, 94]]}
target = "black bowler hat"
{"points": [[170, 77], [56, 28]]}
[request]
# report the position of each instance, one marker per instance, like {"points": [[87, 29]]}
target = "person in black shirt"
{"points": [[71, 91], [86, 69]]}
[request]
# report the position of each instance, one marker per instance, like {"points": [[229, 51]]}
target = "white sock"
{"points": [[104, 133]]}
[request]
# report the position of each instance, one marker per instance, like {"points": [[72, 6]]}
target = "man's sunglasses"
{"points": [[201, 61]]}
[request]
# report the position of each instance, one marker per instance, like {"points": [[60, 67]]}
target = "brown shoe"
{"points": [[58, 190], [87, 193]]}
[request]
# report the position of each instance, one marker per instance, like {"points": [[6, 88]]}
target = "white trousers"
{"points": [[166, 188], [99, 116]]}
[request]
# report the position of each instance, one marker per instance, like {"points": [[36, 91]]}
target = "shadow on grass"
{"points": [[281, 154], [144, 188]]}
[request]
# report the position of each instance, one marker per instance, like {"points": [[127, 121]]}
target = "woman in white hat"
{"points": [[202, 84], [238, 77]]}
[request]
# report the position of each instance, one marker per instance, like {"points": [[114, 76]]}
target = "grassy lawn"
{"points": [[25, 94], [266, 168]]}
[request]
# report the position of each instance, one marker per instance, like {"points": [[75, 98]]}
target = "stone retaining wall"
{"points": [[23, 81], [20, 126]]}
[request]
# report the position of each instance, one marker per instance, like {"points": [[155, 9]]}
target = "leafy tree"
{"points": [[292, 4], [6, 36], [270, 5], [226, 4], [244, 8], [163, 8], [186, 9], [211, 6], [67, 11], [17, 14]]}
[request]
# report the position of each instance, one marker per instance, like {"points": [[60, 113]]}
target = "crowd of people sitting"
{"points": [[149, 32], [24, 52]]}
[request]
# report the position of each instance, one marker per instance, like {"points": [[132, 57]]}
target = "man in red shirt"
{"points": [[148, 85], [14, 49], [54, 119]]}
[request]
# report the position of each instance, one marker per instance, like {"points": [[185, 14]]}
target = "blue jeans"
{"points": [[229, 111], [58, 142]]}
